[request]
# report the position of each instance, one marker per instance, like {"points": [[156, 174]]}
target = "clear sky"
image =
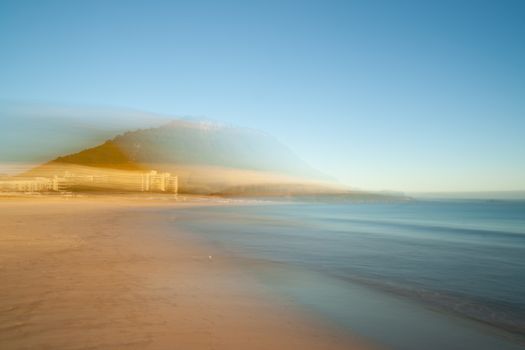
{"points": [[401, 95]]}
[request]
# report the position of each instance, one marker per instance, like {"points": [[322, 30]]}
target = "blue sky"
{"points": [[400, 95]]}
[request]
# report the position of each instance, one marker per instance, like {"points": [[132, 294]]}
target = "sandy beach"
{"points": [[100, 273]]}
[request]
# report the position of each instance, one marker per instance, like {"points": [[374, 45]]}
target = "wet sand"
{"points": [[108, 273]]}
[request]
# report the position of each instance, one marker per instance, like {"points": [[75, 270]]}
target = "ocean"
{"points": [[416, 274]]}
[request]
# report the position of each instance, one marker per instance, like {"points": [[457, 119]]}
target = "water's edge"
{"points": [[380, 311]]}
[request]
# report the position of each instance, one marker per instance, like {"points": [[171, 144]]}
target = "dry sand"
{"points": [[103, 273]]}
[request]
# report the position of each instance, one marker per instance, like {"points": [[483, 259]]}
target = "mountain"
{"points": [[211, 144], [208, 158], [211, 159]]}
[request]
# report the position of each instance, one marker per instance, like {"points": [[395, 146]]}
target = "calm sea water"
{"points": [[453, 269]]}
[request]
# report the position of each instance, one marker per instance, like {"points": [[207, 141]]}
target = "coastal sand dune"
{"points": [[109, 274]]}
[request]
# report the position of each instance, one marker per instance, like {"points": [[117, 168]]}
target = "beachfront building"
{"points": [[151, 181], [159, 182], [29, 184]]}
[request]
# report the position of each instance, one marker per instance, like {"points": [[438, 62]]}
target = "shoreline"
{"points": [[108, 273], [371, 310]]}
